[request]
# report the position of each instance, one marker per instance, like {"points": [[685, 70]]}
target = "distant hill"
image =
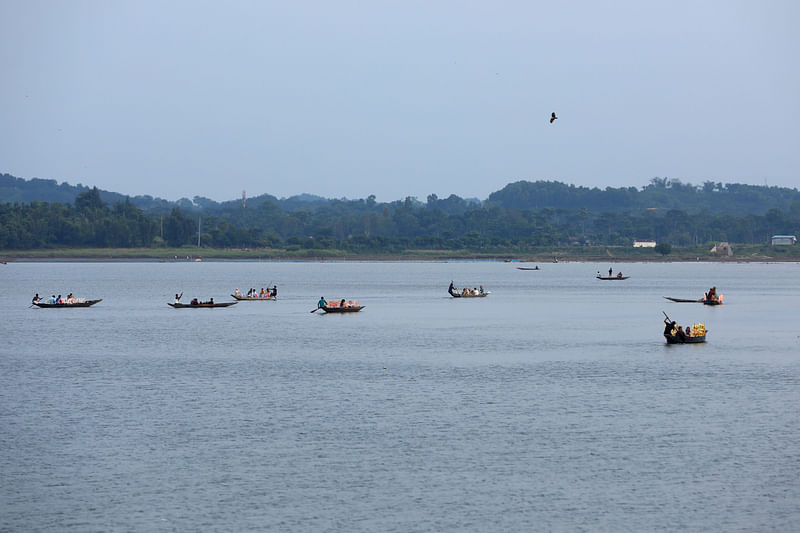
{"points": [[660, 194]]}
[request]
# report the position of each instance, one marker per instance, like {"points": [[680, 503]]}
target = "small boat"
{"points": [[77, 303], [712, 301], [528, 268], [674, 339], [612, 277], [345, 309], [683, 300], [469, 295], [200, 305], [255, 299]]}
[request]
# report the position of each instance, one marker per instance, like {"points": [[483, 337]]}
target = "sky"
{"points": [[397, 98]]}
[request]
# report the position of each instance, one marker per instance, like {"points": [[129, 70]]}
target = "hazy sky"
{"points": [[402, 98]]}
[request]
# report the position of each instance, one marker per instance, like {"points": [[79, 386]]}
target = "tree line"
{"points": [[505, 221]]}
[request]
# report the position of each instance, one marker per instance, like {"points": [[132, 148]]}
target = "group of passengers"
{"points": [[323, 303], [263, 293], [475, 291], [70, 299], [673, 330], [711, 295], [195, 301]]}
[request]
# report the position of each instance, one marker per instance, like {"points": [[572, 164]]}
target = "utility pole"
{"points": [[198, 231]]}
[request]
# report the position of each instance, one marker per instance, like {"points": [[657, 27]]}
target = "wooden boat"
{"points": [[672, 339], [346, 309], [608, 278], [528, 268], [256, 299], [200, 305], [712, 301], [85, 303], [470, 295], [682, 300]]}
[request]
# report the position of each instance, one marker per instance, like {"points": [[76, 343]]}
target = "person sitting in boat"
{"points": [[322, 302], [52, 299], [70, 298], [619, 275], [465, 292], [451, 289], [688, 331], [237, 292], [195, 302], [211, 301], [343, 303], [712, 294], [35, 298], [59, 300], [480, 289], [680, 334]]}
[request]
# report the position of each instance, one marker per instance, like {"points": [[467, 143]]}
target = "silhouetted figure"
{"points": [[553, 117]]}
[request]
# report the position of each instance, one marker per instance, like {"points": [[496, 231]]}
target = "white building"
{"points": [[779, 240], [639, 243]]}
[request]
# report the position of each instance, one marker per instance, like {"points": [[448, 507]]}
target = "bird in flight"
{"points": [[553, 117]]}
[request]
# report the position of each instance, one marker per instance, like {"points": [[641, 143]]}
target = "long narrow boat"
{"points": [[673, 339], [85, 303], [346, 309], [256, 299], [200, 305], [470, 295], [609, 278], [528, 268], [683, 300]]}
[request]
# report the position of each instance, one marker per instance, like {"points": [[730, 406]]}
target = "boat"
{"points": [[672, 339], [77, 303], [200, 305], [528, 268], [255, 299], [612, 277], [469, 295], [683, 300], [345, 309], [712, 301]]}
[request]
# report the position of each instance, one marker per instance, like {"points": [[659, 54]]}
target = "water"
{"points": [[553, 404]]}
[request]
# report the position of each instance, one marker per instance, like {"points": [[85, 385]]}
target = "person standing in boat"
{"points": [[670, 326], [450, 289], [274, 291], [178, 297], [609, 272]]}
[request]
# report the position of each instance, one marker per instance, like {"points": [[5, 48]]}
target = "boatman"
{"points": [[322, 303], [451, 288]]}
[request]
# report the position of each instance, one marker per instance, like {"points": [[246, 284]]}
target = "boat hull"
{"points": [[672, 339], [351, 309], [683, 300], [200, 306], [611, 278], [458, 295], [87, 303]]}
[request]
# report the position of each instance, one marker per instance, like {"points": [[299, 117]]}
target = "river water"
{"points": [[552, 404]]}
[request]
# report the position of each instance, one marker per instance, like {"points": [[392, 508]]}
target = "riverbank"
{"points": [[602, 254]]}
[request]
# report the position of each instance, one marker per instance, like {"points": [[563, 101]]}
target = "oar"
{"points": [[668, 318], [315, 310]]}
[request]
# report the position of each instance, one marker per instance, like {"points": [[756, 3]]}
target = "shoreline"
{"points": [[542, 256]]}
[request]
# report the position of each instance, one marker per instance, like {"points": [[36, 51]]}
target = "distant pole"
{"points": [[198, 231], [162, 226]]}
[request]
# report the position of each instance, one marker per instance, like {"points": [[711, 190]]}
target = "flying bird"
{"points": [[553, 117]]}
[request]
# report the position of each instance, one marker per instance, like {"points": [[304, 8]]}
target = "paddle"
{"points": [[315, 310]]}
